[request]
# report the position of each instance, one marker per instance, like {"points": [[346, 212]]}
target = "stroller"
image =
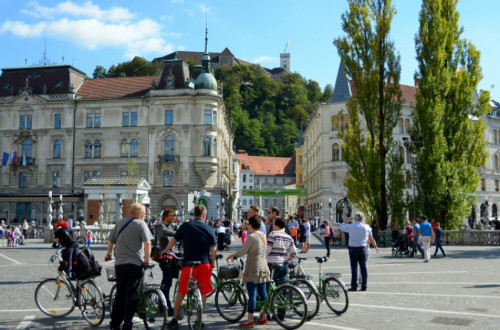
{"points": [[400, 247]]}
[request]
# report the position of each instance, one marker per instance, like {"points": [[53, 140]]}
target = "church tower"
{"points": [[285, 61]]}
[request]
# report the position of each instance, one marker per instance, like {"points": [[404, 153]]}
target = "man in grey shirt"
{"points": [[131, 240]]}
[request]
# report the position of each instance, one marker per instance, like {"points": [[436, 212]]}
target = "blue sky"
{"points": [[90, 33]]}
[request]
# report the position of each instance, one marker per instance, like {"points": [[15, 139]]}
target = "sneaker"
{"points": [[262, 321], [363, 289], [173, 324], [352, 289]]}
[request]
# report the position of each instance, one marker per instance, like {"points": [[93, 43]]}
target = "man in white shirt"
{"points": [[358, 234]]}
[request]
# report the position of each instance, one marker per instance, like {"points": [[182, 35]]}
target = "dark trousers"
{"points": [[414, 249], [439, 246], [166, 283], [357, 255], [220, 241], [69, 255], [327, 244], [128, 286]]}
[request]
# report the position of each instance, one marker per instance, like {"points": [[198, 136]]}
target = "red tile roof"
{"points": [[266, 165], [409, 93], [116, 87]]}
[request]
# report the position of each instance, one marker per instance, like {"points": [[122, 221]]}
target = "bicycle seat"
{"points": [[193, 263], [321, 260], [148, 266], [275, 266]]}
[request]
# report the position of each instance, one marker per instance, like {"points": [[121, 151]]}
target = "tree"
{"points": [[446, 117], [99, 72], [327, 93], [372, 65]]}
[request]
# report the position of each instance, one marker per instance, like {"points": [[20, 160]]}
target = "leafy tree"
{"points": [[373, 66], [99, 72], [327, 93], [138, 67], [453, 145]]}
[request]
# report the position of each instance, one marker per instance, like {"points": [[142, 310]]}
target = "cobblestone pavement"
{"points": [[461, 291]]}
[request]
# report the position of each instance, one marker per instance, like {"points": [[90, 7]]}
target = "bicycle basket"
{"points": [[228, 272], [110, 272], [336, 275]]}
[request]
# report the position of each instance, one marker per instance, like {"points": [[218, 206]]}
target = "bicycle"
{"points": [[192, 306], [230, 292], [152, 307], [58, 297], [285, 302], [215, 278], [330, 289], [55, 260]]}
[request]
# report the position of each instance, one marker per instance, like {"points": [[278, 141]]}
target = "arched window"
{"points": [[168, 178], [97, 149], [88, 149], [206, 146], [169, 146], [407, 125], [335, 152], [27, 148], [57, 149], [244, 202], [214, 148], [401, 125], [125, 147], [134, 148]]}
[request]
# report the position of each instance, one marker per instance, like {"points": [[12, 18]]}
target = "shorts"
{"points": [[202, 274], [307, 239]]}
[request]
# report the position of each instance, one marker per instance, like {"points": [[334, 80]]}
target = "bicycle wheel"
{"points": [[231, 301], [394, 251], [154, 310], [335, 294], [312, 296], [111, 298], [82, 242], [288, 306], [91, 303], [193, 312], [214, 280], [54, 298]]}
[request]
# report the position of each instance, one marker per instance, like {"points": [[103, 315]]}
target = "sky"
{"points": [[90, 33]]}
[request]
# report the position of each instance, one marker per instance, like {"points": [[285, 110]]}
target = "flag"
{"points": [[14, 157], [24, 159], [5, 159]]}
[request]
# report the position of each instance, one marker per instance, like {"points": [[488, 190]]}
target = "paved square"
{"points": [[461, 291]]}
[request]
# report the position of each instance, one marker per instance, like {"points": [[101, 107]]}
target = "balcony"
{"points": [[30, 161], [168, 158]]}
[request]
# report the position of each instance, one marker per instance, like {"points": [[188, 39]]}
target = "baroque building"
{"points": [[65, 129], [325, 171]]}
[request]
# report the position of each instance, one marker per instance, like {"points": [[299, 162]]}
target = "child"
{"points": [[89, 238]]}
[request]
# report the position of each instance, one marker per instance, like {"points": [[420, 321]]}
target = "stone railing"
{"points": [[99, 234]]}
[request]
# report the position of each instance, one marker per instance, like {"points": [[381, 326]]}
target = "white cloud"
{"points": [[90, 27], [264, 58]]}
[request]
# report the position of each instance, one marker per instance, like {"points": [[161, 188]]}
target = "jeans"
{"points": [[426, 241], [367, 257], [128, 287], [166, 283], [327, 244], [280, 273], [415, 247], [252, 289], [439, 246], [357, 255]]}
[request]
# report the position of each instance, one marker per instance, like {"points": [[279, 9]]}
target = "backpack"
{"points": [[85, 265]]}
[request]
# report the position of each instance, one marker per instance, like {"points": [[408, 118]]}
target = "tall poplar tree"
{"points": [[446, 117], [372, 65]]}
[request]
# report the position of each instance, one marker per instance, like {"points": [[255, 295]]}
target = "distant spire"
{"points": [[206, 58], [206, 33], [342, 90]]}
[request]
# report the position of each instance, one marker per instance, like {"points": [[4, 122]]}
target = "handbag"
{"points": [[155, 250]]}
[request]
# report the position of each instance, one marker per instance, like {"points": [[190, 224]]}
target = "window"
{"points": [[134, 148], [97, 149], [206, 146], [214, 118], [123, 174], [274, 180], [126, 119], [265, 180], [208, 117], [24, 178], [407, 125], [125, 147], [91, 174], [283, 181], [169, 147], [169, 117], [133, 118], [483, 185], [401, 125], [56, 179], [495, 162], [244, 202], [25, 121], [57, 149], [168, 178], [244, 178], [335, 122], [402, 152], [335, 152], [266, 203], [214, 148], [57, 120], [90, 120], [88, 149], [497, 186], [27, 148], [97, 120]]}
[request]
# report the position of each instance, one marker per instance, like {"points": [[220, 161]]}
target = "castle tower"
{"points": [[285, 61]]}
